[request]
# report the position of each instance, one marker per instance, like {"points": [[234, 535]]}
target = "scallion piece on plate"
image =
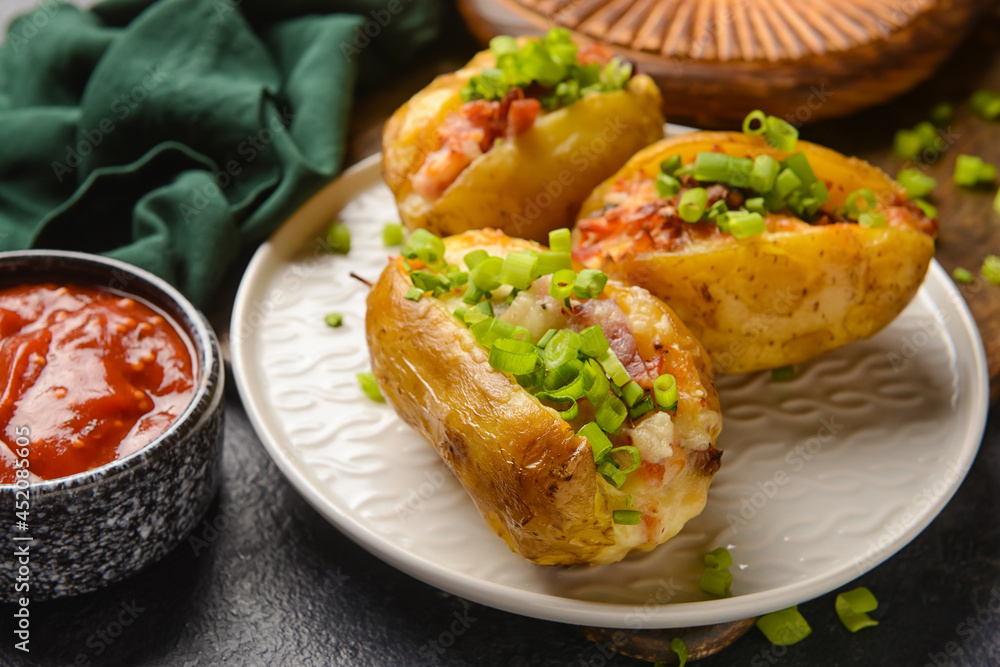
{"points": [[853, 607], [491, 330], [600, 445], [693, 203], [716, 582], [370, 387], [785, 627], [338, 238], [564, 382], [424, 246], [334, 320], [720, 559], [627, 517], [513, 356], [665, 392], [392, 234]]}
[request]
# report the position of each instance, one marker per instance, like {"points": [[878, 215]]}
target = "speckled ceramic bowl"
{"points": [[96, 527]]}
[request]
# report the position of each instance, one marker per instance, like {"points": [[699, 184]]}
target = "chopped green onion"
{"points": [[559, 240], [484, 307], [513, 356], [678, 646], [563, 376], [561, 349], [612, 365], [871, 220], [692, 204], [720, 559], [906, 144], [641, 408], [744, 225], [518, 268], [991, 269], [927, 133], [334, 320], [716, 582], [633, 453], [370, 387], [670, 165], [929, 210], [739, 172], [486, 274], [799, 163], [571, 391], [665, 392], [785, 627], [765, 172], [963, 276], [611, 414], [627, 517], [472, 295], [612, 475], [424, 246], [413, 294], [996, 203], [338, 238], [971, 171], [428, 280], [491, 330], [456, 276], [782, 374], [392, 234], [632, 393], [667, 185], [562, 284], [502, 44], [710, 166], [756, 205], [786, 183], [853, 607], [598, 390], [941, 114], [851, 203], [589, 284], [985, 104], [532, 379], [780, 134], [571, 412], [716, 211], [592, 341], [755, 122], [600, 445], [546, 337], [819, 194], [551, 261], [472, 315], [474, 257]]}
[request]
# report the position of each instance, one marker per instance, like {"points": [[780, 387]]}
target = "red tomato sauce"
{"points": [[90, 376]]}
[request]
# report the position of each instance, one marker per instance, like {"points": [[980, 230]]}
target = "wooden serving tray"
{"points": [[715, 60]]}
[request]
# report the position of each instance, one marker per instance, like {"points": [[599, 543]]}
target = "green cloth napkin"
{"points": [[172, 134]]}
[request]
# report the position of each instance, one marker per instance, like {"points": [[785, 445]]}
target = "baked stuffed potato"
{"points": [[535, 458], [491, 146], [813, 260]]}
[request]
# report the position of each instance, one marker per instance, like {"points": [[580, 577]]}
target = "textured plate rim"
{"points": [[367, 173]]}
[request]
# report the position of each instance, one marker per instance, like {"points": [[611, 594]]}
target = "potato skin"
{"points": [[780, 298], [527, 186], [532, 478]]}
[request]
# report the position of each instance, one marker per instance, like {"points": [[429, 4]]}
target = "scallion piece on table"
{"points": [[513, 356], [692, 205], [906, 144], [963, 276], [783, 373], [338, 238], [392, 234], [971, 170], [665, 392], [562, 283], [744, 224], [589, 284], [667, 186], [985, 104], [370, 387], [927, 134], [611, 415], [785, 627], [559, 240], [592, 341], [678, 646], [627, 517], [853, 607], [600, 445], [991, 269], [915, 182], [764, 173], [716, 582], [780, 134], [941, 114], [755, 122]]}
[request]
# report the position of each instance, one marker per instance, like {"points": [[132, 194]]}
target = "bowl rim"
{"points": [[210, 379]]}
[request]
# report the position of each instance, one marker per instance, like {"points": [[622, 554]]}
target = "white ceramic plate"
{"points": [[823, 477]]}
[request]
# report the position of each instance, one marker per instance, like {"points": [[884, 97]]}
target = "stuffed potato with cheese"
{"points": [[534, 471], [825, 255], [490, 146]]}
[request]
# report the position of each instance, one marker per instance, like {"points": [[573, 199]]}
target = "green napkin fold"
{"points": [[172, 134]]}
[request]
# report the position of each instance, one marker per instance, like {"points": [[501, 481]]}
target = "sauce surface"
{"points": [[92, 375]]}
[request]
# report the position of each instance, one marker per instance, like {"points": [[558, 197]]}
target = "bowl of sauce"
{"points": [[110, 420]]}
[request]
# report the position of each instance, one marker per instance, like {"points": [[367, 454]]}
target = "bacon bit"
{"points": [[609, 315]]}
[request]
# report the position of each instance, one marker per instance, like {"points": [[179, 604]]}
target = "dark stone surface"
{"points": [[272, 583]]}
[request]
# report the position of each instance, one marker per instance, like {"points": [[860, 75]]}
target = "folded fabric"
{"points": [[172, 134]]}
